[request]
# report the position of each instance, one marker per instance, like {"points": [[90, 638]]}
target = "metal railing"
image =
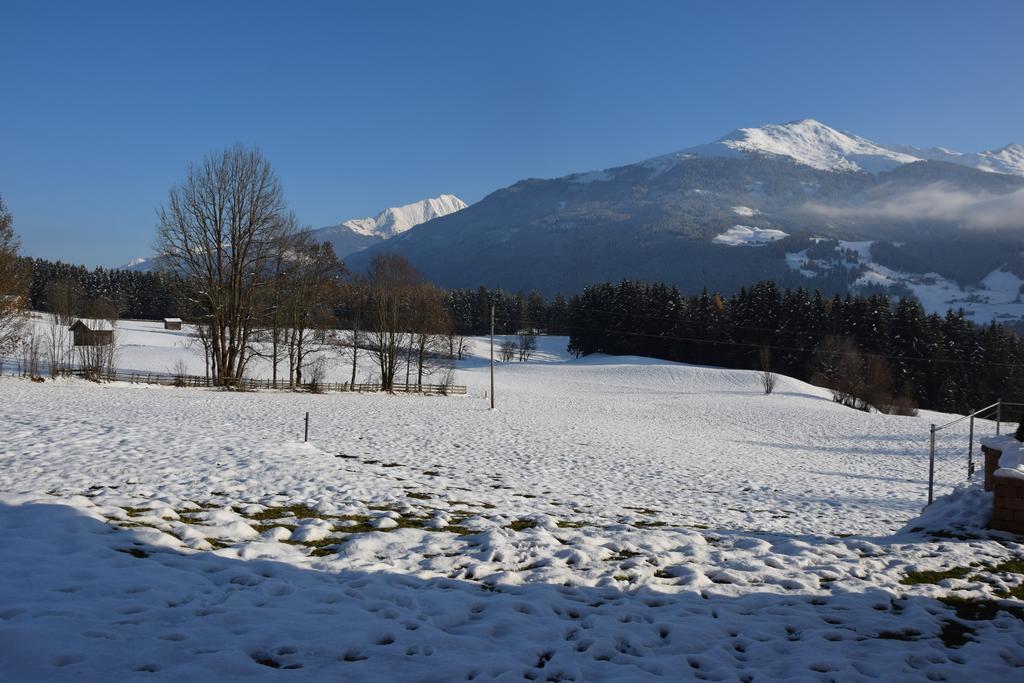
{"points": [[987, 413]]}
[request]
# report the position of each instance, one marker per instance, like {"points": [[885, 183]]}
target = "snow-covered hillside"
{"points": [[999, 296], [1008, 159], [615, 519], [744, 235]]}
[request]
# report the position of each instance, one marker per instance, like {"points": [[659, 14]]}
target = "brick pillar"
{"points": [[991, 465], [1008, 506]]}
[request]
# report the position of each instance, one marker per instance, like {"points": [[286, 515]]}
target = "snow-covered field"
{"points": [[615, 519]]}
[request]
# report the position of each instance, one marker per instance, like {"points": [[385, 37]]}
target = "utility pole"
{"points": [[492, 356]]}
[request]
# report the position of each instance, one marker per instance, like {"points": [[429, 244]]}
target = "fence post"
{"points": [[306, 437], [999, 415], [931, 466], [970, 450]]}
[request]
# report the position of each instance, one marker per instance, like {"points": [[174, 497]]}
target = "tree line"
{"points": [[868, 350]]}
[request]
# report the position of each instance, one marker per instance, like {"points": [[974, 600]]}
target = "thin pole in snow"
{"points": [[970, 449], [306, 437], [931, 465], [492, 356]]}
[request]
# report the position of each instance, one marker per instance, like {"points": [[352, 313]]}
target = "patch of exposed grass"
{"points": [[520, 524], [562, 524], [297, 511], [624, 555], [432, 473], [1015, 566], [649, 525], [134, 552], [644, 511], [917, 578], [418, 495], [979, 609]]}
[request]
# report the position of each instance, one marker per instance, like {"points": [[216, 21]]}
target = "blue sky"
{"points": [[361, 106]]}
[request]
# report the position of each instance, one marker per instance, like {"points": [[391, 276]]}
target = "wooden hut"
{"points": [[172, 323], [89, 332]]}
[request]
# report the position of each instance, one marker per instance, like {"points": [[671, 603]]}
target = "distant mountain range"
{"points": [[800, 203], [357, 234], [740, 209]]}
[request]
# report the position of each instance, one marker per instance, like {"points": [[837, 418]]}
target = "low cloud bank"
{"points": [[934, 203]]}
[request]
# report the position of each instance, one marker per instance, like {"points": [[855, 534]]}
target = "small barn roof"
{"points": [[172, 320], [94, 324]]}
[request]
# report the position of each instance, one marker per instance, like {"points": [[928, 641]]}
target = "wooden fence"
{"points": [[254, 384]]}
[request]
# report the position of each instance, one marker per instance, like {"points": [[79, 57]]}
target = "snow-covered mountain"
{"points": [[808, 142], [819, 146], [725, 214], [142, 265], [398, 219], [351, 236], [1008, 159]]}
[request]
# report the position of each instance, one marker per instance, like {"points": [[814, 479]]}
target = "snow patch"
{"points": [[748, 236]]}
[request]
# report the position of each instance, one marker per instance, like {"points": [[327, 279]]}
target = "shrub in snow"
{"points": [[1020, 430]]}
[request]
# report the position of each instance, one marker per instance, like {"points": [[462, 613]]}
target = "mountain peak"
{"points": [[354, 235], [397, 219], [809, 142]]}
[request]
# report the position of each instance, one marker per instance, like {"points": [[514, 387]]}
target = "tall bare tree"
{"points": [[355, 301], [429, 321], [313, 284], [13, 285], [390, 285], [219, 233]]}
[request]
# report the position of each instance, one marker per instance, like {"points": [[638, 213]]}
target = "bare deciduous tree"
{"points": [[766, 375], [219, 234], [62, 302], [391, 281], [355, 299], [13, 285], [839, 366], [508, 349], [312, 282], [429, 320], [527, 344]]}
